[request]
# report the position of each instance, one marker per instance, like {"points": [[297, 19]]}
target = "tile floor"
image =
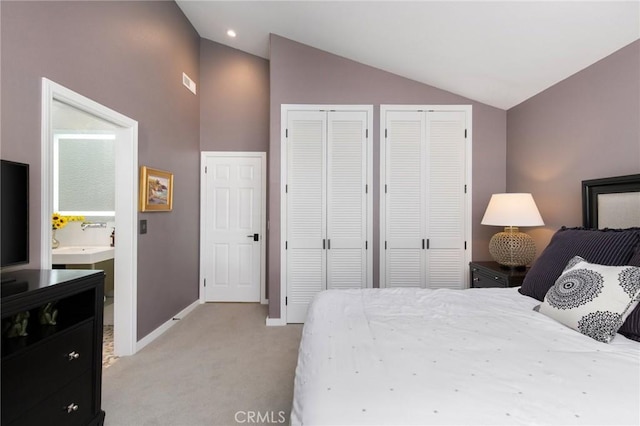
{"points": [[108, 358]]}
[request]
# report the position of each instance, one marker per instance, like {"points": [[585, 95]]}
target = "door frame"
{"points": [[204, 155], [468, 171], [284, 110], [126, 252]]}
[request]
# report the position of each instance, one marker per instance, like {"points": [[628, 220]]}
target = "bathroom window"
{"points": [[84, 175]]}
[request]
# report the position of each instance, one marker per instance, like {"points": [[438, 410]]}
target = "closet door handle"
{"points": [[324, 244], [328, 244]]}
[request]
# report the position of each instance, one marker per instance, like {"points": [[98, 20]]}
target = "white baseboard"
{"points": [[276, 322], [164, 327]]}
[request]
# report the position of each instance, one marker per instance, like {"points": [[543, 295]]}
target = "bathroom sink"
{"points": [[81, 255]]}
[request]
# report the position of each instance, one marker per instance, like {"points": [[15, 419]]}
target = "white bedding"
{"points": [[477, 356]]}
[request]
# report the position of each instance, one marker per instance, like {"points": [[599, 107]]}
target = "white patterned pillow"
{"points": [[593, 299]]}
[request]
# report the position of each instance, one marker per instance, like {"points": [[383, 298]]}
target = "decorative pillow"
{"points": [[593, 299], [604, 247]]}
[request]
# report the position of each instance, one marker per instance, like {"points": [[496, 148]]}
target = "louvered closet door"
{"points": [[306, 219], [446, 199], [405, 201], [346, 200]]}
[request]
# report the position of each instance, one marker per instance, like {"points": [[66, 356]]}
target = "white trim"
{"points": [[284, 109], [276, 322], [166, 326], [468, 178], [469, 205], [382, 235], [126, 253], [263, 216], [370, 197]]}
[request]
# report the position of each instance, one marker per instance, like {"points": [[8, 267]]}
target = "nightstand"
{"points": [[491, 274]]}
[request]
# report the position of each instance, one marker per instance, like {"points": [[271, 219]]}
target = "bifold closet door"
{"points": [[425, 199], [326, 205], [346, 200], [446, 199], [405, 199], [306, 212]]}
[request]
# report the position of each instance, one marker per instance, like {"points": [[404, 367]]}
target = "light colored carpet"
{"points": [[218, 361]]}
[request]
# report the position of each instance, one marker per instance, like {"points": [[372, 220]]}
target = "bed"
{"points": [[477, 356]]}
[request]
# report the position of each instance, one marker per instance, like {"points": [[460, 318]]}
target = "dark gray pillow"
{"points": [[635, 259], [612, 247], [631, 326]]}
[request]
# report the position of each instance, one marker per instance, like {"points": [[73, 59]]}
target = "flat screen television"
{"points": [[14, 213]]}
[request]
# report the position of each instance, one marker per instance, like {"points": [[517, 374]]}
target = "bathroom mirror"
{"points": [[84, 175]]}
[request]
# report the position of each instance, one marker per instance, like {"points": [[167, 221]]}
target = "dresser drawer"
{"points": [[70, 405], [480, 279], [44, 368]]}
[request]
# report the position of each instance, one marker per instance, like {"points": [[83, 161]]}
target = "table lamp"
{"points": [[512, 248]]}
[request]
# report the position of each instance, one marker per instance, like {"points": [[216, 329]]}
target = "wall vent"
{"points": [[188, 83]]}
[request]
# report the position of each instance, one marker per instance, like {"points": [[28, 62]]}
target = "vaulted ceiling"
{"points": [[500, 53]]}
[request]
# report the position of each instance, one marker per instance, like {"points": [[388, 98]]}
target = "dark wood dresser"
{"points": [[53, 374]]}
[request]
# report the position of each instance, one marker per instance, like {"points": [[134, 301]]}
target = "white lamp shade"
{"points": [[515, 209]]}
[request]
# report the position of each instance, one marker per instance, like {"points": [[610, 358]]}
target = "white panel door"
{"points": [[306, 213], [232, 263], [405, 199], [346, 200], [446, 199]]}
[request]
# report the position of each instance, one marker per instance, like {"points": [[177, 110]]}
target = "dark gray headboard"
{"points": [[612, 202]]}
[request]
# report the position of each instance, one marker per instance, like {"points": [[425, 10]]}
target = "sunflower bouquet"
{"points": [[59, 221]]}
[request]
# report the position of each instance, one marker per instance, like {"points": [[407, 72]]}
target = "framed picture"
{"points": [[156, 190]]}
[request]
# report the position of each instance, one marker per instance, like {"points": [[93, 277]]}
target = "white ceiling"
{"points": [[500, 53]]}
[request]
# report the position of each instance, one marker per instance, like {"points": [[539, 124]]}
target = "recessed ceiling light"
{"points": [[231, 33]]}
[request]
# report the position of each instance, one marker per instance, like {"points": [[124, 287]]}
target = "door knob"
{"points": [[256, 237]]}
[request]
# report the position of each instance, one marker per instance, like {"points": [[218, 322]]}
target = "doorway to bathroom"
{"points": [[80, 136]]}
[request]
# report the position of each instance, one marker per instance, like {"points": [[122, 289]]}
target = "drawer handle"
{"points": [[476, 279], [496, 278], [71, 408], [73, 355]]}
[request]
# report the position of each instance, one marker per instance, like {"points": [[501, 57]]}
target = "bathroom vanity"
{"points": [[87, 257], [52, 348]]}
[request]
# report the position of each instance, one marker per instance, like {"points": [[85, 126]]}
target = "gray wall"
{"points": [[304, 75], [585, 127], [130, 57], [234, 99]]}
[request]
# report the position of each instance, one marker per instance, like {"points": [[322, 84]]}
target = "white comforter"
{"points": [[477, 356]]}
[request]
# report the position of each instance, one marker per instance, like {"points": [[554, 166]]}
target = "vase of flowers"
{"points": [[59, 221], [54, 243]]}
